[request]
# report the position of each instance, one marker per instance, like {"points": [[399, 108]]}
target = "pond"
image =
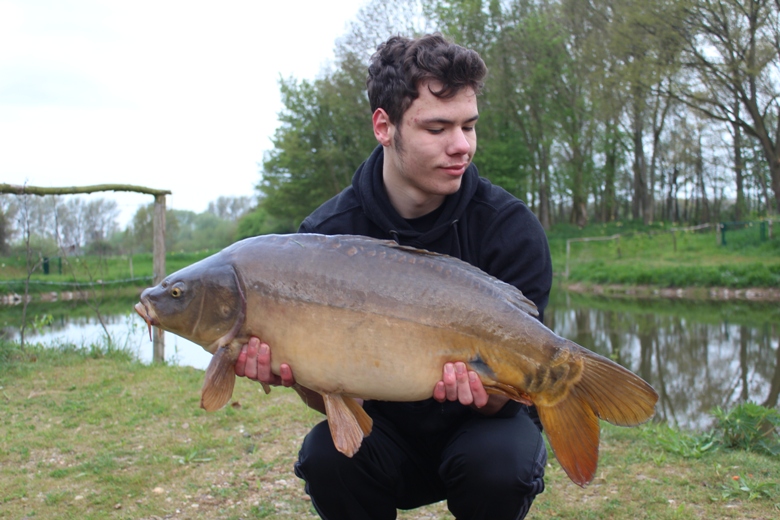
{"points": [[696, 354]]}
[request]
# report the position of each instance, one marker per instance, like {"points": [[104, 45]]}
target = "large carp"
{"points": [[366, 318]]}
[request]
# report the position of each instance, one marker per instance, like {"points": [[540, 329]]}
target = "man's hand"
{"points": [[254, 362], [459, 384]]}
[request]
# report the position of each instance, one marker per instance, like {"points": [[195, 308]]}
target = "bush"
{"points": [[749, 427]]}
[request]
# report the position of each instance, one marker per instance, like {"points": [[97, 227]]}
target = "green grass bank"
{"points": [[90, 433], [658, 256], [663, 256]]}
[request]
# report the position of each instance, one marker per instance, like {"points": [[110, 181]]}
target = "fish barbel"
{"points": [[357, 317]]}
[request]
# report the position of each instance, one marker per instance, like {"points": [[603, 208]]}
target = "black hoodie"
{"points": [[481, 224]]}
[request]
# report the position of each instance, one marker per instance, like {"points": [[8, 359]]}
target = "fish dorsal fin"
{"points": [[348, 422], [220, 380]]}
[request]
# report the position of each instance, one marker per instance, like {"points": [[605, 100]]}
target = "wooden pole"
{"points": [[158, 252]]}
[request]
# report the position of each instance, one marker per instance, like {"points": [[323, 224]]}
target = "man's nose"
{"points": [[460, 143]]}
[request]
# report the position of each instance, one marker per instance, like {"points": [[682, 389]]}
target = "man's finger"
{"points": [[250, 367], [286, 374], [463, 386], [264, 364], [478, 390], [241, 362], [450, 384], [439, 392]]}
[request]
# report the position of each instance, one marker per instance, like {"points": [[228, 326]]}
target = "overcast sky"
{"points": [[170, 94]]}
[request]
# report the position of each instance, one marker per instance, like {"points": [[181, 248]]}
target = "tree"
{"points": [[230, 208], [732, 50], [142, 227], [8, 209], [325, 133]]}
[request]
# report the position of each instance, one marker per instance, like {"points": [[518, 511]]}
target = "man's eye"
{"points": [[435, 130]]}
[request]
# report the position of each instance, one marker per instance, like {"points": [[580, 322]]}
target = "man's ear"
{"points": [[383, 128]]}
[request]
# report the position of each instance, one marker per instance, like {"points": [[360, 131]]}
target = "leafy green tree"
{"points": [[260, 222], [325, 134], [142, 227]]}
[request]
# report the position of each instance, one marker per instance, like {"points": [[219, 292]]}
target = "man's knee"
{"points": [[498, 475], [495, 470]]}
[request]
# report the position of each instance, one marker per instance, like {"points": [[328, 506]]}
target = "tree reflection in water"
{"points": [[696, 354]]}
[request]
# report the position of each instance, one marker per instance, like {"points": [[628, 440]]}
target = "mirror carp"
{"points": [[357, 317]]}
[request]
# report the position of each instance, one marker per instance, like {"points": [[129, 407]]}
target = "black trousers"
{"points": [[485, 467]]}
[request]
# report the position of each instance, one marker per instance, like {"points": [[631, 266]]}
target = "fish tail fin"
{"points": [[616, 394], [219, 382], [573, 431], [606, 391]]}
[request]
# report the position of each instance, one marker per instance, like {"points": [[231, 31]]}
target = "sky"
{"points": [[180, 95]]}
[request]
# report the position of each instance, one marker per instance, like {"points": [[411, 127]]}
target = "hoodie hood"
{"points": [[370, 190]]}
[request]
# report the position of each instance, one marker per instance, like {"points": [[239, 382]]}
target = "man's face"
{"points": [[427, 153]]}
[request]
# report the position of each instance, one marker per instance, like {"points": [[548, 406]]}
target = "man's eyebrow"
{"points": [[444, 121]]}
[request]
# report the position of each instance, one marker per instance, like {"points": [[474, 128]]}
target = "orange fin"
{"points": [[494, 387], [220, 380], [346, 428], [573, 431], [616, 394], [365, 422]]}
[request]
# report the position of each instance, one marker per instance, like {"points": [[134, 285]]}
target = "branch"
{"points": [[74, 190]]}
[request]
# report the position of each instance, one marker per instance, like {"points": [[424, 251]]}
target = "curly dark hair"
{"points": [[400, 64]]}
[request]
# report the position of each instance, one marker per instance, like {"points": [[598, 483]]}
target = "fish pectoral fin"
{"points": [[573, 430], [494, 387], [220, 380], [347, 424]]}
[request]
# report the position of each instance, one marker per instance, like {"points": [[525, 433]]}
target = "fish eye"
{"points": [[176, 291]]}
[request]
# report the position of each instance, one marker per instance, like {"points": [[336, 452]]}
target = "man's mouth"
{"points": [[455, 169]]}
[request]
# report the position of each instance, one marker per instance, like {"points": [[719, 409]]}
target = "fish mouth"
{"points": [[143, 311]]}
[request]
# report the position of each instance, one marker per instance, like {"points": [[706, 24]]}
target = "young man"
{"points": [[482, 453]]}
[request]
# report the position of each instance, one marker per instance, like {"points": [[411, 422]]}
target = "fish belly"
{"points": [[334, 350]]}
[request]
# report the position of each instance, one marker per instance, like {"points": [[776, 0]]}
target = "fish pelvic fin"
{"points": [[220, 380], [348, 422], [573, 431]]}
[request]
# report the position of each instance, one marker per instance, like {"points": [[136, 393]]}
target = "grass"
{"points": [[92, 433], [85, 272], [661, 256]]}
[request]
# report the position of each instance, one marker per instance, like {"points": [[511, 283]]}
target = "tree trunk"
{"points": [[739, 207], [640, 166]]}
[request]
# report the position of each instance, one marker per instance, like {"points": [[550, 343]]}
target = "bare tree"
{"points": [[733, 50]]}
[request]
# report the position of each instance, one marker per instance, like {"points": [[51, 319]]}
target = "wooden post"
{"points": [[158, 252]]}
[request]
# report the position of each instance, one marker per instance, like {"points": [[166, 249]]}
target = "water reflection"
{"points": [[697, 355], [76, 323]]}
